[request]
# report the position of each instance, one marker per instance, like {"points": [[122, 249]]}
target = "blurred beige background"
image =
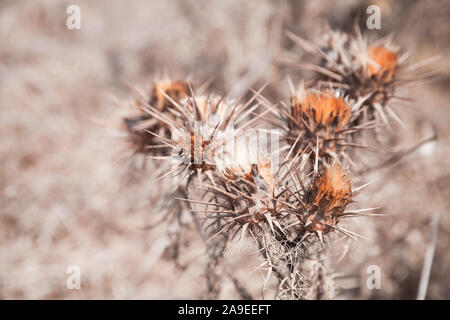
{"points": [[68, 196]]}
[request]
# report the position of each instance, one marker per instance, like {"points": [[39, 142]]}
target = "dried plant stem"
{"points": [[428, 260]]}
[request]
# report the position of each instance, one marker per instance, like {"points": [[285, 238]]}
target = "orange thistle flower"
{"points": [[326, 199], [316, 120], [333, 189], [322, 109], [386, 62], [363, 71]]}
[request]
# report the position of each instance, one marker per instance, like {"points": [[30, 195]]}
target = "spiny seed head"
{"points": [[139, 124], [250, 192], [204, 124], [375, 75], [385, 62], [359, 67], [321, 108], [247, 176], [319, 116], [326, 199], [333, 186], [365, 68]]}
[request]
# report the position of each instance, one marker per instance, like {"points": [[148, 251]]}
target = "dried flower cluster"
{"points": [[291, 209], [359, 68]]}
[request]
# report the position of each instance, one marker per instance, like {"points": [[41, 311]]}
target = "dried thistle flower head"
{"points": [[316, 122], [320, 108], [205, 124], [362, 69], [374, 73], [248, 191], [262, 196], [326, 199], [139, 124], [243, 184], [204, 119], [386, 62]]}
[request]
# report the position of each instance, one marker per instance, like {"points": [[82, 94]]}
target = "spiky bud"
{"points": [[139, 124], [326, 200], [319, 116], [318, 122]]}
